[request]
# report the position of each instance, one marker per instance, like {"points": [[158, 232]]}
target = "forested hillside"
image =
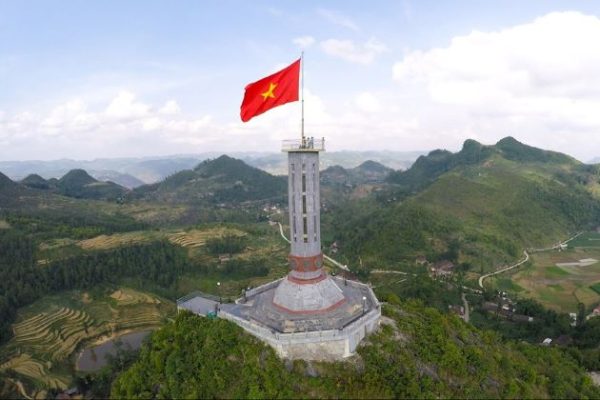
{"points": [[222, 180], [418, 353], [484, 204]]}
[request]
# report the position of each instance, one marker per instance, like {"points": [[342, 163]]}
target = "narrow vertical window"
{"points": [[303, 204], [315, 228], [314, 176], [303, 182], [305, 230], [295, 234]]}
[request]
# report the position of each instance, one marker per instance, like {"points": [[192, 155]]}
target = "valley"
{"points": [[81, 263]]}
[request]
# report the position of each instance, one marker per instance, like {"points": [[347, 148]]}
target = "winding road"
{"points": [[524, 260]]}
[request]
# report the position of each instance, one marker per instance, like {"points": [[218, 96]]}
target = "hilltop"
{"points": [[481, 205], [417, 353], [220, 180], [76, 183], [365, 173]]}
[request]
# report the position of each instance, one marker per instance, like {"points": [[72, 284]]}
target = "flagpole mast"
{"points": [[302, 94]]}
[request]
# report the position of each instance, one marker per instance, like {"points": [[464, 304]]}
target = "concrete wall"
{"points": [[327, 345]]}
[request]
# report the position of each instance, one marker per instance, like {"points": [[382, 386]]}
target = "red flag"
{"points": [[270, 92]]}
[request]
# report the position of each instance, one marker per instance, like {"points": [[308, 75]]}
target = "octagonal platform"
{"points": [[326, 335]]}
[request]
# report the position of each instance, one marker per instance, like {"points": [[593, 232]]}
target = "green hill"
{"points": [[222, 180], [11, 192], [35, 181], [369, 172], [482, 205], [79, 184], [417, 353]]}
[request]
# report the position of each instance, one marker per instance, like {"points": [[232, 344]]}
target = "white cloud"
{"points": [[122, 127], [125, 106], [354, 52], [338, 19], [170, 108], [539, 80], [367, 102], [304, 42]]}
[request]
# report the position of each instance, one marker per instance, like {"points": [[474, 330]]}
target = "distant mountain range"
{"points": [[134, 172]]}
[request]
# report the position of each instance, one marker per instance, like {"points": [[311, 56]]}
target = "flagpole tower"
{"points": [[302, 94], [307, 314]]}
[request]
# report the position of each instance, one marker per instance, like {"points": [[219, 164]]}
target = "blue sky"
{"points": [[82, 79]]}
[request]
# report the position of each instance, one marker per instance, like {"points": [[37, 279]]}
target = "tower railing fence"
{"points": [[308, 143]]}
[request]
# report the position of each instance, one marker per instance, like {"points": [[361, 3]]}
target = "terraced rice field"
{"points": [[192, 238], [34, 369], [58, 333], [49, 332], [197, 238], [126, 297], [104, 242]]}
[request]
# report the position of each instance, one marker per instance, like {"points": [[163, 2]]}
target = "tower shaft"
{"points": [[306, 259]]}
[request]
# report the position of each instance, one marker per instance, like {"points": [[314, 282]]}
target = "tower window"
{"points": [[314, 176], [303, 204], [305, 230], [303, 182]]}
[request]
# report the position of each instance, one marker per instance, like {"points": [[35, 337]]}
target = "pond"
{"points": [[94, 358]]}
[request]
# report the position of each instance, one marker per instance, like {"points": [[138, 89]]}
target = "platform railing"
{"points": [[306, 144]]}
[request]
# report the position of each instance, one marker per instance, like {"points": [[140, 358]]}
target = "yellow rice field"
{"points": [[192, 238], [196, 237]]}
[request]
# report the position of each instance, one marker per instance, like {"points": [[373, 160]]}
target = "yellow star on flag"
{"points": [[269, 93]]}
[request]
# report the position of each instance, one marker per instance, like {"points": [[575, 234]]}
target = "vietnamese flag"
{"points": [[270, 92]]}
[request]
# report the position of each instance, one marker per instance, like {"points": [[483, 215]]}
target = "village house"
{"points": [[442, 269]]}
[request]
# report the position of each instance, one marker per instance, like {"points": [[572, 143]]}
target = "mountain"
{"points": [[428, 168], [79, 184], [480, 206], [35, 181], [220, 180], [6, 183], [154, 169], [367, 172]]}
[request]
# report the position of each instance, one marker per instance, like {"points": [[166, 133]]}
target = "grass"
{"points": [[50, 332], [587, 239], [596, 287], [4, 224]]}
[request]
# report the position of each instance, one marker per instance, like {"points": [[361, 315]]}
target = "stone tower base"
{"points": [[329, 336]]}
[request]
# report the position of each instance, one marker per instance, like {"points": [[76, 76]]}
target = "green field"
{"points": [[586, 240], [49, 333], [558, 287]]}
